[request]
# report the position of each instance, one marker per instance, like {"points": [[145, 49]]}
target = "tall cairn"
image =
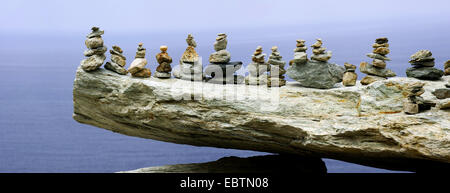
{"points": [[350, 76], [137, 67], [190, 67], [317, 72], [423, 66], [300, 56], [164, 60], [96, 51], [377, 70], [221, 70], [319, 53], [257, 69], [277, 71], [118, 61]]}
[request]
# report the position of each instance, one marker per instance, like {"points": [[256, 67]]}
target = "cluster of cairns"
{"points": [[257, 69], [118, 61], [137, 67], [190, 67], [96, 51], [317, 72], [221, 70], [414, 103], [277, 71], [423, 66], [377, 69]]}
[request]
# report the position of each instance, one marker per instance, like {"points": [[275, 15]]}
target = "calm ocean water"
{"points": [[38, 134]]}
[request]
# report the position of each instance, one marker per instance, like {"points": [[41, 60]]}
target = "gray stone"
{"points": [[316, 74], [162, 74], [300, 57], [94, 42], [442, 93], [93, 62], [322, 57], [222, 56], [378, 56], [424, 73], [360, 124], [96, 51], [115, 68], [422, 56], [367, 68], [423, 64]]}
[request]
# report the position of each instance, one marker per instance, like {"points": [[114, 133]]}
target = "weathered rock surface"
{"points": [[256, 164], [316, 74], [360, 124]]}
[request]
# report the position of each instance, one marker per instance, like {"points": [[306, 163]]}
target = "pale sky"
{"points": [[125, 16]]}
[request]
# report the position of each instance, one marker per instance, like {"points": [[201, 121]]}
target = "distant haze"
{"points": [[134, 16]]}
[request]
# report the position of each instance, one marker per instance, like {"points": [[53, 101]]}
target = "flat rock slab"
{"points": [[360, 124]]}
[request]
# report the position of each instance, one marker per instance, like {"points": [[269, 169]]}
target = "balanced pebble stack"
{"points": [[319, 53], [300, 56], [377, 70], [137, 67], [350, 76], [257, 69], [414, 102], [96, 51], [164, 60], [190, 68], [277, 71], [423, 66], [118, 61]]}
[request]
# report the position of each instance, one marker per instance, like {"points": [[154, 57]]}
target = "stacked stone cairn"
{"points": [[423, 66], [257, 69], [137, 67], [414, 103], [221, 70], [277, 71], [300, 56], [118, 61], [319, 53], [164, 60], [96, 51], [447, 68], [377, 70], [317, 72], [190, 67], [349, 76]]}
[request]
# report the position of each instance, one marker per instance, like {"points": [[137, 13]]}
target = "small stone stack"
{"points": [[447, 68], [118, 61], [257, 69], [350, 76], [164, 60], [300, 56], [319, 53], [277, 71], [221, 70], [415, 103], [137, 67], [377, 70], [190, 67], [423, 66], [96, 51]]}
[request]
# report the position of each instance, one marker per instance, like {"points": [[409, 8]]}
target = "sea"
{"points": [[38, 134]]}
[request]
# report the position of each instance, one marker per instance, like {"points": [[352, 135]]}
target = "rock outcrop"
{"points": [[359, 124]]}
